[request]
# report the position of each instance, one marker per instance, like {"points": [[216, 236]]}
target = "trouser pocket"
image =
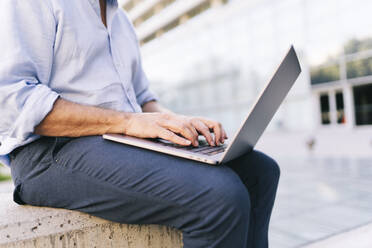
{"points": [[30, 162]]}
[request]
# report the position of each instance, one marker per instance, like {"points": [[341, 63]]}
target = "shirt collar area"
{"points": [[113, 4], [112, 7], [109, 2]]}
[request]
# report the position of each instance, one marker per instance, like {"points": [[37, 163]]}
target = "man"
{"points": [[70, 71]]}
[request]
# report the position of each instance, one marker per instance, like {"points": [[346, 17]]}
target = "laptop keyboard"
{"points": [[203, 148]]}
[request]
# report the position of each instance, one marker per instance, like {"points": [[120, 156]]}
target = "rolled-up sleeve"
{"points": [[27, 29]]}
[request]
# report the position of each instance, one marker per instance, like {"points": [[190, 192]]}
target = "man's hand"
{"points": [[70, 119], [179, 129], [205, 126]]}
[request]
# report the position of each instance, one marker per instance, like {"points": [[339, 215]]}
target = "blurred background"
{"points": [[213, 57]]}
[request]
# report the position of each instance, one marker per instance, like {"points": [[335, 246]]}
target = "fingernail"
{"points": [[188, 142]]}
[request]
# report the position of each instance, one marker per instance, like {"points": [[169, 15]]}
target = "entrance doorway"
{"points": [[363, 104]]}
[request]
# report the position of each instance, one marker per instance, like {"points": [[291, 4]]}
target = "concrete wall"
{"points": [[26, 226]]}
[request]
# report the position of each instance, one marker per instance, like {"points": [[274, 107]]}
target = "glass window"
{"points": [[324, 109], [340, 108], [363, 104], [325, 74]]}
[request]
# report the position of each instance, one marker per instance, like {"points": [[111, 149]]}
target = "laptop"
{"points": [[250, 130]]}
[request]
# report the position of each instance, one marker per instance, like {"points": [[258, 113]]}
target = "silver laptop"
{"points": [[248, 134]]}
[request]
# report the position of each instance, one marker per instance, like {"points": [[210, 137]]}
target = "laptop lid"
{"points": [[265, 107]]}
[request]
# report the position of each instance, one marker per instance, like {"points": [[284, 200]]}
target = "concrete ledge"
{"points": [[360, 237], [27, 226]]}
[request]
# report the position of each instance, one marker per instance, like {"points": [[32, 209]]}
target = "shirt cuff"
{"points": [[5, 160], [34, 110], [37, 106], [146, 96]]}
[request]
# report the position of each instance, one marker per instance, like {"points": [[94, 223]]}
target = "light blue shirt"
{"points": [[52, 48]]}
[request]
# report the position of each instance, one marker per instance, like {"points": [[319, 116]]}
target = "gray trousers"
{"points": [[214, 206]]}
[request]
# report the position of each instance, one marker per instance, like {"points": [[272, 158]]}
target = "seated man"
{"points": [[70, 71]]}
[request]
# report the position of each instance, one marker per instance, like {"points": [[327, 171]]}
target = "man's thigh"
{"points": [[120, 182]]}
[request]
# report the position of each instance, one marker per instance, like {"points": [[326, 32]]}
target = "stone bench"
{"points": [[27, 226]]}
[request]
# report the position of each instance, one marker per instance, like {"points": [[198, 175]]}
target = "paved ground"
{"points": [[356, 238], [317, 198]]}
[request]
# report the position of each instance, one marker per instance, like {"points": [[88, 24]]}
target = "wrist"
{"points": [[126, 120], [121, 122]]}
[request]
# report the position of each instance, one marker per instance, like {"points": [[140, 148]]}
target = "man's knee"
{"points": [[229, 195], [227, 210], [272, 168], [267, 166]]}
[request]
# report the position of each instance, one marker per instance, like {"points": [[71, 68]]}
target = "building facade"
{"points": [[212, 57], [342, 90]]}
